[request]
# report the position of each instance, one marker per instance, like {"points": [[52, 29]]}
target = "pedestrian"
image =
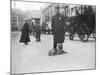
{"points": [[58, 32], [38, 32], [31, 26], [25, 33]]}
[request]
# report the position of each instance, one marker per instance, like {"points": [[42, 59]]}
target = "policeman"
{"points": [[58, 31]]}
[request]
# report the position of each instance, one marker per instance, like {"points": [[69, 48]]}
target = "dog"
{"points": [[52, 52]]}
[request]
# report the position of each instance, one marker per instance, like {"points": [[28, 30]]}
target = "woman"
{"points": [[25, 33]]}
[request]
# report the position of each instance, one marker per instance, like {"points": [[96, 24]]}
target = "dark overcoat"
{"points": [[58, 28], [38, 30], [25, 34]]}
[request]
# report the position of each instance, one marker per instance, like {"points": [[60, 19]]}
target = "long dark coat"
{"points": [[25, 34], [38, 30], [58, 28]]}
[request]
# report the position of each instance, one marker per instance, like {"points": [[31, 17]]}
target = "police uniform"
{"points": [[58, 29]]}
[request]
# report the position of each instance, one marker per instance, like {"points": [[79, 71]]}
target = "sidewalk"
{"points": [[34, 57]]}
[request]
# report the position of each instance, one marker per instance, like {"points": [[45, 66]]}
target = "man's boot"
{"points": [[61, 51]]}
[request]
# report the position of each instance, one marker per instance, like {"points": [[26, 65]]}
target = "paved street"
{"points": [[34, 57]]}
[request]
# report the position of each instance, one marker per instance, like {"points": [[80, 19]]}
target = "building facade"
{"points": [[65, 9], [19, 17]]}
